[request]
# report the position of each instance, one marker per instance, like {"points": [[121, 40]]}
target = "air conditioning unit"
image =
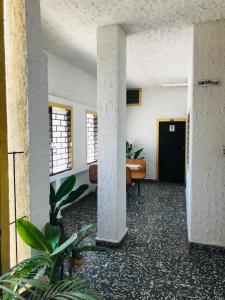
{"points": [[133, 97]]}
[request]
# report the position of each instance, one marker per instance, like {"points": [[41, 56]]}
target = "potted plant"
{"points": [[21, 284], [37, 278], [78, 247], [64, 196], [133, 153]]}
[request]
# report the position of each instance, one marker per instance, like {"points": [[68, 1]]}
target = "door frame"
{"points": [[157, 140]]}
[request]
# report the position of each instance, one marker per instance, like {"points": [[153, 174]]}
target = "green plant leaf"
{"points": [[86, 228], [52, 195], [130, 151], [65, 245], [52, 234], [74, 296], [65, 188], [27, 284], [32, 236], [74, 195], [127, 146], [137, 153], [10, 292], [25, 267], [74, 289]]}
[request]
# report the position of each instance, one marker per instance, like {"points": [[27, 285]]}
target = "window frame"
{"points": [[94, 113], [70, 108]]}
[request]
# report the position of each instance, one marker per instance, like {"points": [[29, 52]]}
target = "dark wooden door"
{"points": [[171, 156]]}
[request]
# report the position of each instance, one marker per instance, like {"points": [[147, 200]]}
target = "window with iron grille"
{"points": [[60, 139], [92, 131]]}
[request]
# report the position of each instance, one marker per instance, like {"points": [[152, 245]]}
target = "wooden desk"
{"points": [[138, 170]]}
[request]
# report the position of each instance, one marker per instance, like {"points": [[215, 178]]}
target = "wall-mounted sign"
{"points": [[209, 82], [172, 128]]}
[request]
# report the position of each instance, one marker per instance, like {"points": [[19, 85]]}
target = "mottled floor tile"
{"points": [[155, 261]]}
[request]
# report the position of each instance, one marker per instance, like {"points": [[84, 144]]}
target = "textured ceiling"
{"points": [[158, 33]]}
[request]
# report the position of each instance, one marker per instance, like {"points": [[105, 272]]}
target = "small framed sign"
{"points": [[172, 128]]}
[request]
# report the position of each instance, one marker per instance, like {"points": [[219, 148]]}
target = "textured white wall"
{"points": [[69, 82], [141, 120], [70, 86], [111, 99], [206, 197]]}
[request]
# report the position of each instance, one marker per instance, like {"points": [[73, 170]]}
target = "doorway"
{"points": [[171, 150]]}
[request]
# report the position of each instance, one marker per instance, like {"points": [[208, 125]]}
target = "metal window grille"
{"points": [[60, 141], [92, 130]]}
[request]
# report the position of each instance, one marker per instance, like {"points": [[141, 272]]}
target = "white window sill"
{"points": [[68, 173]]}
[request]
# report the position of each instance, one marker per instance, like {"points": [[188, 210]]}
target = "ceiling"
{"points": [[159, 33]]}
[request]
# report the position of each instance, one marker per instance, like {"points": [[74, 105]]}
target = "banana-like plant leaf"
{"points": [[52, 195], [65, 188], [131, 152], [137, 153], [32, 236], [130, 148], [64, 196], [65, 245], [74, 195], [127, 146], [52, 234], [86, 228]]}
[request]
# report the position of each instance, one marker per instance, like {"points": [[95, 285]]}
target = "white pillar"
{"points": [[27, 118], [111, 101], [38, 116], [27, 109], [206, 169]]}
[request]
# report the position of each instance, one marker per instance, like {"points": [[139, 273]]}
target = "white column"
{"points": [[206, 169], [37, 116], [27, 109], [111, 101], [27, 117]]}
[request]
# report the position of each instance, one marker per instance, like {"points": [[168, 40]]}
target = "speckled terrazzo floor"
{"points": [[155, 261]]}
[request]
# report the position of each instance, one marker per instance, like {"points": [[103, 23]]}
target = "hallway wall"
{"points": [[71, 86], [141, 120], [68, 82], [68, 85]]}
